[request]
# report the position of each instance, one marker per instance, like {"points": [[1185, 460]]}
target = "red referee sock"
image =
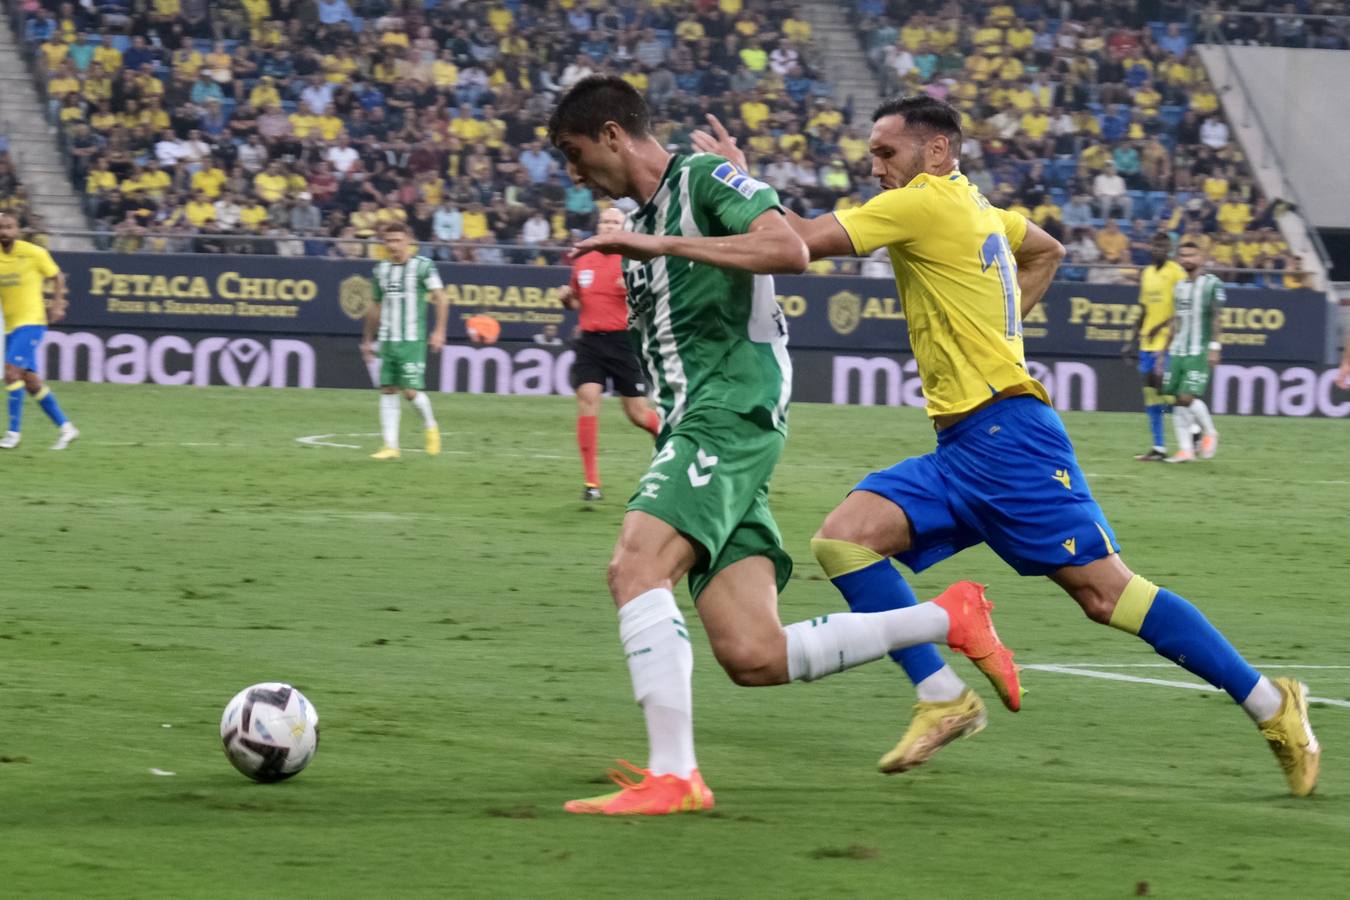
{"points": [[588, 428], [653, 423]]}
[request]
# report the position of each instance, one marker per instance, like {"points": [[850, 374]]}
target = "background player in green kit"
{"points": [[705, 321], [403, 284], [1198, 303]]}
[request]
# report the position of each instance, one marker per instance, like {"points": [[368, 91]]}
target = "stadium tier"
{"points": [[301, 126]]}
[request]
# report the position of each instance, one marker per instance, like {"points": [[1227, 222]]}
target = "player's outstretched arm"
{"points": [[368, 331], [769, 247], [436, 340], [1037, 261], [823, 235]]}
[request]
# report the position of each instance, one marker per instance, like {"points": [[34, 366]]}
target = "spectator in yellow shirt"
{"points": [[1234, 214], [1112, 242], [200, 212], [253, 215], [264, 94], [753, 113], [474, 223], [208, 181], [755, 57], [270, 184], [797, 29]]}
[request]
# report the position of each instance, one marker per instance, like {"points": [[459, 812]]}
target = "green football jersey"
{"points": [[1195, 301], [402, 292], [707, 336]]}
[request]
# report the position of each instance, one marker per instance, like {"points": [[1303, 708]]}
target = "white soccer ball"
{"points": [[270, 731]]}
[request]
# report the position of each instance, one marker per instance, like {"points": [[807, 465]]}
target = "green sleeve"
{"points": [[728, 194]]}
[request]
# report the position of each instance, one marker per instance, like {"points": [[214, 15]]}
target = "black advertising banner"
{"points": [[820, 376], [845, 313], [303, 296], [251, 294]]}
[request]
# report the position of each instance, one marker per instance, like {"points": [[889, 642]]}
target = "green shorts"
{"points": [[1187, 375], [403, 364], [709, 480]]}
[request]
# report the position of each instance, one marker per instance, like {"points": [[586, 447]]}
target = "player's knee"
{"points": [[751, 663], [1096, 604]]}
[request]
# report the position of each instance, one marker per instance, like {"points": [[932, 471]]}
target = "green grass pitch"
{"points": [[448, 617]]}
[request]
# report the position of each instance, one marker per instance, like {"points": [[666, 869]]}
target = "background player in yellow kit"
{"points": [[1156, 282], [24, 269]]}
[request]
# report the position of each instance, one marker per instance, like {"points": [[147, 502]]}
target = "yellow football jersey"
{"points": [[22, 271], [953, 257], [1155, 295]]}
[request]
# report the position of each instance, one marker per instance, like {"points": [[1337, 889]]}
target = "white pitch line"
{"points": [[1135, 679], [1151, 665]]}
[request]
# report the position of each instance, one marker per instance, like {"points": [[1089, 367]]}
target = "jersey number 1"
{"points": [[996, 252]]}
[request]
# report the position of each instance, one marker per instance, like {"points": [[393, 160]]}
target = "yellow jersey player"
{"points": [[24, 270], [1004, 472], [1150, 338]]}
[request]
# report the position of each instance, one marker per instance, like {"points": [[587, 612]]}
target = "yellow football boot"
{"points": [[433, 441], [1292, 740], [934, 726], [386, 453]]}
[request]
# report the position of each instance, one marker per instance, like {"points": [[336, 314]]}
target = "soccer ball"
{"points": [[270, 731]]}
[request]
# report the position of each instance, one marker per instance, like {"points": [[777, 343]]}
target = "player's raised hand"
{"points": [[719, 141], [625, 243]]}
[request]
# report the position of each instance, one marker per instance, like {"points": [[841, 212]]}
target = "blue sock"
{"points": [[1180, 632], [47, 400], [16, 392], [876, 587], [1155, 422]]}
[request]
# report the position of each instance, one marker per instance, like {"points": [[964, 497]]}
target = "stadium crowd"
{"points": [[298, 126]]}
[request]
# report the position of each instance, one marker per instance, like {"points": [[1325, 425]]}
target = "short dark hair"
{"points": [[395, 228], [595, 100], [1162, 237], [925, 112], [1190, 242]]}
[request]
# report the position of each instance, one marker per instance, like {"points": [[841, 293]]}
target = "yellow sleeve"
{"points": [[45, 264], [1014, 226], [891, 217]]}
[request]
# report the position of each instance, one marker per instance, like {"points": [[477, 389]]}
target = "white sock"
{"points": [[839, 641], [1264, 701], [1181, 424], [942, 686], [389, 415], [661, 662], [1200, 411], [423, 404]]}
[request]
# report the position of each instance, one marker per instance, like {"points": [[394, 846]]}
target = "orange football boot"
{"points": [[972, 632], [653, 795]]}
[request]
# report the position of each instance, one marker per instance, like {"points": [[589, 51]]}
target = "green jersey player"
{"points": [[705, 322], [403, 285], [1198, 302]]}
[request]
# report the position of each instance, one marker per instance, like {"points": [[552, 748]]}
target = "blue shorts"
{"points": [[21, 346], [1148, 359], [1005, 476]]}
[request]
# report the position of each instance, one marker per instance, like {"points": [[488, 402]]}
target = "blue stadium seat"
{"points": [[1142, 208]]}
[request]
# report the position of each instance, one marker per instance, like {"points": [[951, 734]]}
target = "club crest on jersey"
{"points": [[738, 180], [586, 278]]}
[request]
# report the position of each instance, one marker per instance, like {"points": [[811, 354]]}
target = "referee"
{"points": [[604, 355]]}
